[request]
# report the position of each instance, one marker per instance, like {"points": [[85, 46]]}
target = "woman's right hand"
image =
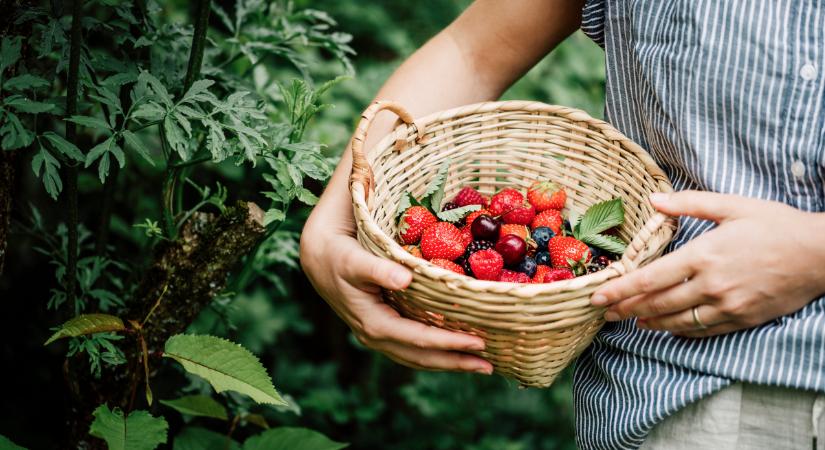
{"points": [[350, 279]]}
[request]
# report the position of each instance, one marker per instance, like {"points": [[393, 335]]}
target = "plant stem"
{"points": [[71, 166], [193, 69]]}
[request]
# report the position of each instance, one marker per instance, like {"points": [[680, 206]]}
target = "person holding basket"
{"points": [[721, 342]]}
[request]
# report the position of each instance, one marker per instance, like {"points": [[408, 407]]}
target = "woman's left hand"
{"points": [[764, 260]]}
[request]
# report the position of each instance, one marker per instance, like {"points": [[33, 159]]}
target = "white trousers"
{"points": [[746, 417]]}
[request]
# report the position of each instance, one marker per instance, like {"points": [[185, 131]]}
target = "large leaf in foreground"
{"points": [[226, 365], [7, 444], [197, 405], [291, 438], [87, 324], [137, 431]]}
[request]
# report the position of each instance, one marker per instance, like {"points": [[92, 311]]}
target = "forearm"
{"points": [[475, 59]]}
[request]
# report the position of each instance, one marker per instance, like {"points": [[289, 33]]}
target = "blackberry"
{"points": [[595, 252], [477, 245], [603, 261], [593, 268]]}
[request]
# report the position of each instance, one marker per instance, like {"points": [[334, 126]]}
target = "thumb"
{"points": [[365, 270], [700, 204]]}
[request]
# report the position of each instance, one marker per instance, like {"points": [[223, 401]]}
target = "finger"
{"points": [[384, 324], [683, 321], [680, 297], [701, 204], [435, 359], [660, 274], [366, 271]]}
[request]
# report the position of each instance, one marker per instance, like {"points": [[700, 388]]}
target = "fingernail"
{"points": [[477, 346], [658, 197], [484, 370], [400, 278], [611, 316], [598, 300]]}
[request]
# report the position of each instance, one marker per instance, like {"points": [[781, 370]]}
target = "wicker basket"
{"points": [[532, 331]]}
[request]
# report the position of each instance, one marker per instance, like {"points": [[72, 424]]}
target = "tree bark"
{"points": [[184, 278]]}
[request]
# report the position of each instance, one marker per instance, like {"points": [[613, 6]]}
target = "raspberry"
{"points": [[486, 264], [470, 196]]}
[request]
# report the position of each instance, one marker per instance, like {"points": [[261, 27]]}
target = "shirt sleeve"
{"points": [[593, 20]]}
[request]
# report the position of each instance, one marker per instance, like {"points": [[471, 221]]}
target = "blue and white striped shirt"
{"points": [[728, 96]]}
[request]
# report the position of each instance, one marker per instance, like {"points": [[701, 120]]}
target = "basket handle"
{"points": [[646, 238], [361, 170]]}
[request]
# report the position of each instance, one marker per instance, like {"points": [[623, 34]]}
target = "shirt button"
{"points": [[798, 169], [807, 72]]}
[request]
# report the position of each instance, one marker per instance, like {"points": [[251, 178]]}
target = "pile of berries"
{"points": [[510, 236]]}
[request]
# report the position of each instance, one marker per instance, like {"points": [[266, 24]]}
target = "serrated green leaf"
{"points": [[103, 167], [291, 438], [197, 405], [63, 146], [198, 87], [403, 204], [434, 194], [15, 135], [9, 51], [157, 87], [90, 122], [307, 197], [273, 215], [87, 324], [607, 242], [7, 444], [25, 81], [24, 105], [226, 365], [196, 438], [51, 176], [135, 144], [174, 135], [137, 431], [97, 151], [457, 214], [601, 217], [118, 152]]}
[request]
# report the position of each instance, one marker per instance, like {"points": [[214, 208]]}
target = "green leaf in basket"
{"points": [[454, 215], [434, 194], [607, 242], [407, 201], [600, 217]]}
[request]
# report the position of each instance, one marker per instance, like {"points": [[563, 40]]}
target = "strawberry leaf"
{"points": [[407, 201], [600, 217], [606, 242], [457, 214], [434, 194]]}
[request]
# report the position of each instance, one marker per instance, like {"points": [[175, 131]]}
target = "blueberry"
{"points": [[595, 252], [543, 258], [542, 236], [527, 266]]}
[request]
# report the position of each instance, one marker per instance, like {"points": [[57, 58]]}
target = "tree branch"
{"points": [[71, 166]]}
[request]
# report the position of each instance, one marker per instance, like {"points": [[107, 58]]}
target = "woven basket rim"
{"points": [[414, 129]]}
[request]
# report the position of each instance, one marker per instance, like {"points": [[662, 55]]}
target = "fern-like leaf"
{"points": [[434, 194], [226, 365]]}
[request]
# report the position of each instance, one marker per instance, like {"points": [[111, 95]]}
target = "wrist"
{"points": [[814, 234]]}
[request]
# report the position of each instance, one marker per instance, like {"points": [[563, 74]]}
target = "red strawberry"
{"points": [[558, 275], [509, 276], [442, 240], [413, 250], [486, 264], [522, 214], [550, 218], [568, 252], [470, 196], [413, 222], [466, 236], [505, 200], [449, 265], [514, 228], [541, 271], [545, 195]]}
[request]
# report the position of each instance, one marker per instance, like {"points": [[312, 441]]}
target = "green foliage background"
{"points": [[339, 388]]}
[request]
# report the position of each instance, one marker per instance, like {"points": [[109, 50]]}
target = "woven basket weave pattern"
{"points": [[532, 331]]}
